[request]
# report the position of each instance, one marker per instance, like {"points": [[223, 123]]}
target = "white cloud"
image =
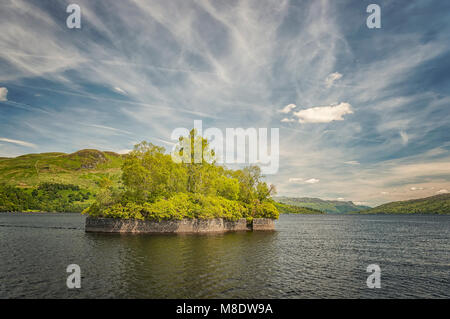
{"points": [[123, 151], [286, 120], [384, 193], [288, 108], [405, 137], [299, 180], [442, 191], [163, 141], [332, 78], [417, 188], [428, 168], [324, 114], [352, 163], [119, 90], [3, 94], [341, 199], [109, 128], [17, 142], [361, 203]]}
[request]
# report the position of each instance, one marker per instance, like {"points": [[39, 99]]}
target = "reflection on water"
{"points": [[307, 257], [195, 266]]}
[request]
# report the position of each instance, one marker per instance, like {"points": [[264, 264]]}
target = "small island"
{"points": [[158, 195]]}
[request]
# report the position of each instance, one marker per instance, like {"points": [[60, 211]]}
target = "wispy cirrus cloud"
{"points": [[235, 65], [3, 94], [299, 180], [119, 90], [108, 128], [288, 108], [287, 120], [333, 77], [312, 181], [18, 142], [404, 136]]}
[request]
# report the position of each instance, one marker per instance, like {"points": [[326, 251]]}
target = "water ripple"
{"points": [[307, 257]]}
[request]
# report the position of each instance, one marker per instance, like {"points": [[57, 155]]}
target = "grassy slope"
{"points": [[438, 204], [84, 168], [328, 206]]}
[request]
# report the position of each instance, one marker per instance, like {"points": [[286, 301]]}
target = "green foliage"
{"points": [[148, 173], [145, 184], [178, 206], [157, 188], [226, 187], [46, 197], [14, 199], [438, 204], [55, 187], [215, 206], [265, 210]]}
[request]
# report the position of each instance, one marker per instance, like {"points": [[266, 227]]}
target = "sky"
{"points": [[363, 114]]}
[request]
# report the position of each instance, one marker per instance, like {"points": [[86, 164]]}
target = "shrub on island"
{"points": [[154, 187]]}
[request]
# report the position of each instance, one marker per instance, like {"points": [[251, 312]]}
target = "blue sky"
{"points": [[371, 121]]}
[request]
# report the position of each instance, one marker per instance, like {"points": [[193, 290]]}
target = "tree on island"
{"points": [[157, 188]]}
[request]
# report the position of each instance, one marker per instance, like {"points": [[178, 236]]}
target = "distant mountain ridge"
{"points": [[292, 209], [327, 206], [437, 204]]}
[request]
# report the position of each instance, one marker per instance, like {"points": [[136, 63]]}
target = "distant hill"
{"points": [[327, 206], [56, 182], [291, 209], [438, 204], [84, 168]]}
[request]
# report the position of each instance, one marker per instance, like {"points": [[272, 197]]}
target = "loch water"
{"points": [[308, 256]]}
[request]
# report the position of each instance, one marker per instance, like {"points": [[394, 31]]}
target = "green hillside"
{"points": [[146, 183], [327, 206], [438, 204], [56, 181], [85, 168], [291, 209]]}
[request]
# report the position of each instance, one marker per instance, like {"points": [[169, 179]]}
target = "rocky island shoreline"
{"points": [[196, 225]]}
